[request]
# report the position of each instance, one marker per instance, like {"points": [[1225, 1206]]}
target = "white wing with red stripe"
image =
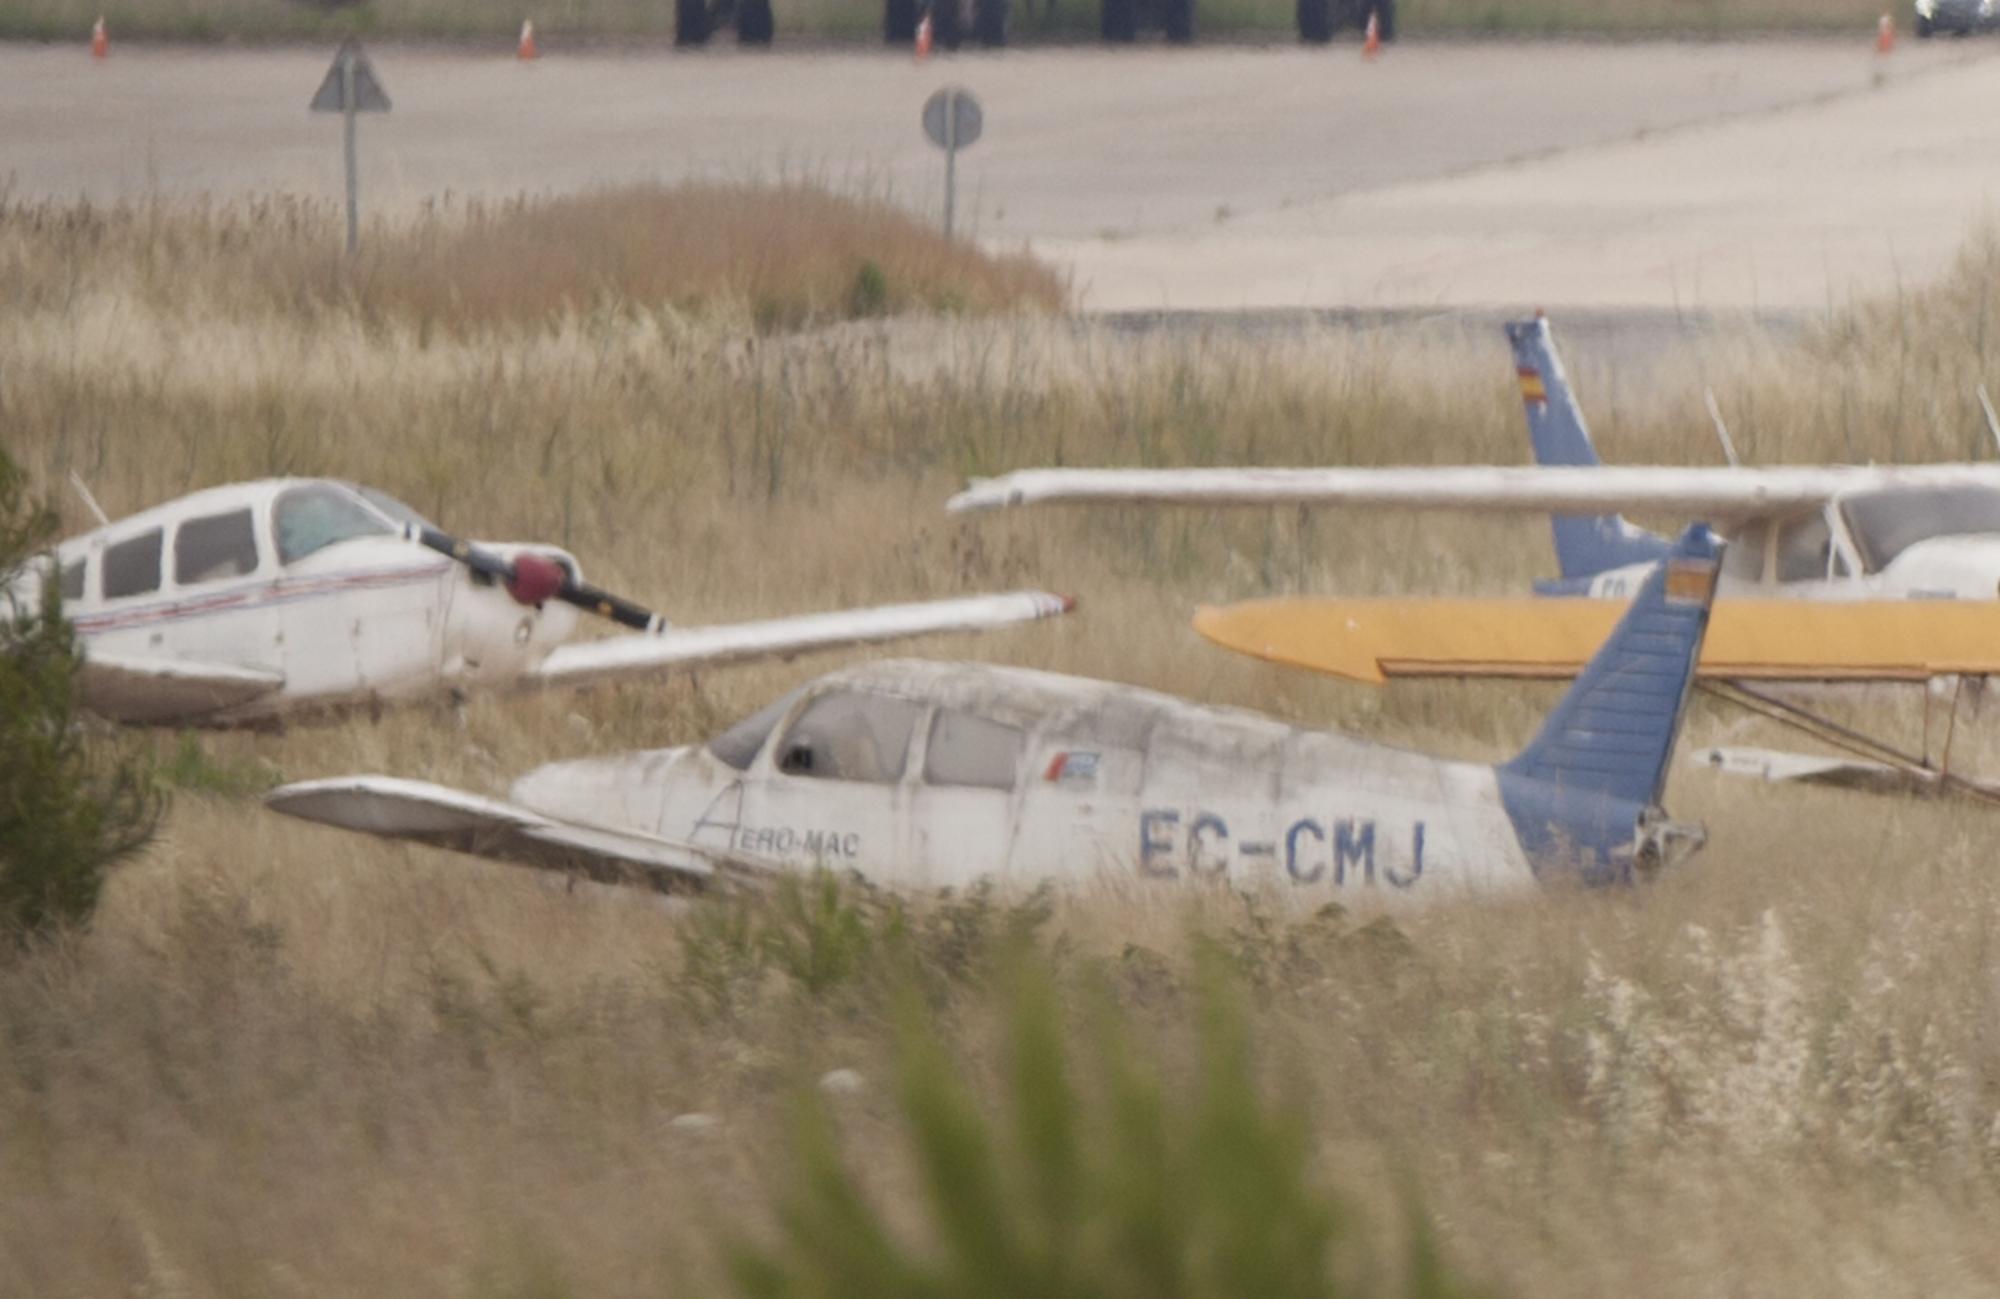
{"points": [[1721, 494], [681, 648]]}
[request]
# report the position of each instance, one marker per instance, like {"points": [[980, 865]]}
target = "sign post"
{"points": [[350, 87], [952, 120]]}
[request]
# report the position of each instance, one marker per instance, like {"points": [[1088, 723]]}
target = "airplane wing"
{"points": [[693, 647], [1372, 640], [128, 688], [485, 827], [1724, 494]]}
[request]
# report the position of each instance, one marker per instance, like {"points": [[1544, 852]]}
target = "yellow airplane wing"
{"points": [[1372, 640]]}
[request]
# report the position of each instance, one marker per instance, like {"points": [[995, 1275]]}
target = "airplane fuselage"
{"points": [[981, 772], [306, 581]]}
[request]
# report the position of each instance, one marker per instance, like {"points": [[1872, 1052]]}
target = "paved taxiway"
{"points": [[1766, 174]]}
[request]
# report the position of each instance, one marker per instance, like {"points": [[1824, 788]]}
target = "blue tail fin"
{"points": [[1586, 545], [1591, 781]]}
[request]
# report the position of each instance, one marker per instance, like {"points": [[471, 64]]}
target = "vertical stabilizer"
{"points": [[1590, 783], [1586, 545]]}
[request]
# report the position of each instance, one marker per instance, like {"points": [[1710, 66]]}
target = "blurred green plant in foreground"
{"points": [[1102, 1181]]}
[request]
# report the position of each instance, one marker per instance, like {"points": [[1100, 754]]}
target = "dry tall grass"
{"points": [[286, 1060]]}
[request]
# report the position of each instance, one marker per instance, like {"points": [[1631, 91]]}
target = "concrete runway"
{"points": [[1765, 175]]}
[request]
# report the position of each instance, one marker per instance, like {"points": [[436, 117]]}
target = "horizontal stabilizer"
{"points": [[683, 648], [392, 808], [1372, 640], [149, 691], [1725, 494], [1782, 767]]}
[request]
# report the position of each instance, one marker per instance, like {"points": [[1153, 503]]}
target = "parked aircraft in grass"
{"points": [[926, 774], [1834, 573], [245, 603]]}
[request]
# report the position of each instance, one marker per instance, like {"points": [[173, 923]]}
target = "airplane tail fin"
{"points": [[1591, 780], [1586, 545]]}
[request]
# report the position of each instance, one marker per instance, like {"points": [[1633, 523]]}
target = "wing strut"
{"points": [[1919, 771]]}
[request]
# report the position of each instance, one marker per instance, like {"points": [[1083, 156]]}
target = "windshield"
{"points": [[392, 507], [309, 519], [1888, 522], [739, 745]]}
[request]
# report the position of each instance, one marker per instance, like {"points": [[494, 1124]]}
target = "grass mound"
{"points": [[777, 256]]}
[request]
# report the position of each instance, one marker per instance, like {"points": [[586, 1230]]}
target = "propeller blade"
{"points": [[509, 573]]}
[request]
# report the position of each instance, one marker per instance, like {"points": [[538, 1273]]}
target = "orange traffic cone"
{"points": [[1371, 40], [527, 48], [100, 43], [923, 38], [1885, 35]]}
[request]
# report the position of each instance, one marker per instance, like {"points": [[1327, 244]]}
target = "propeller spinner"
{"points": [[533, 579]]}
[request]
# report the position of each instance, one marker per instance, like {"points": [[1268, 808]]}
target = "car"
{"points": [[1960, 17]]}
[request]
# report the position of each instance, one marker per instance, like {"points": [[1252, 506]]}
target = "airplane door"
{"points": [[835, 794], [963, 804]]}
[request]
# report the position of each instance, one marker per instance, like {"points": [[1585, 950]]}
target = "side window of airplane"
{"points": [[219, 546], [739, 746], [132, 566], [1744, 560], [1804, 547], [971, 751], [850, 735], [72, 579], [309, 519]]}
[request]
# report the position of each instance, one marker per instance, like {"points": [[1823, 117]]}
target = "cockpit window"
{"points": [[210, 549], [392, 507], [309, 519], [1888, 522], [739, 746], [849, 735], [1804, 547], [971, 751], [132, 566]]}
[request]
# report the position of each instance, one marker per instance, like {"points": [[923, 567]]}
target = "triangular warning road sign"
{"points": [[369, 96]]}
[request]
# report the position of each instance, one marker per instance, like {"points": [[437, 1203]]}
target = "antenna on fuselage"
{"points": [[1992, 420], [1721, 429], [91, 501]]}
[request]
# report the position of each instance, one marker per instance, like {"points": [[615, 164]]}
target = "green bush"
{"points": [[66, 811], [1104, 1181]]}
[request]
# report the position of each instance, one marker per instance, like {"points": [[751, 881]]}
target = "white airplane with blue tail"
{"points": [[927, 775]]}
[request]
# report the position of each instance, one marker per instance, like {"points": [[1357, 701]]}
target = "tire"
{"points": [[1177, 17], [754, 24], [1315, 21], [947, 24], [1121, 21], [989, 22], [899, 22], [691, 22]]}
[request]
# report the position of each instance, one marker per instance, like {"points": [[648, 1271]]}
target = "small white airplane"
{"points": [[1811, 532], [1834, 572], [245, 603], [926, 775]]}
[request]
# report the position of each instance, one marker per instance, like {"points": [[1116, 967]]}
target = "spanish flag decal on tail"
{"points": [[1532, 390], [1690, 581]]}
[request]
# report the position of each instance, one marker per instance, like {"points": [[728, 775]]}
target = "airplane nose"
{"points": [[535, 579]]}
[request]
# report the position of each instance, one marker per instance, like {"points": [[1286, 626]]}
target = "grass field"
{"points": [[652, 20], [289, 1061]]}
